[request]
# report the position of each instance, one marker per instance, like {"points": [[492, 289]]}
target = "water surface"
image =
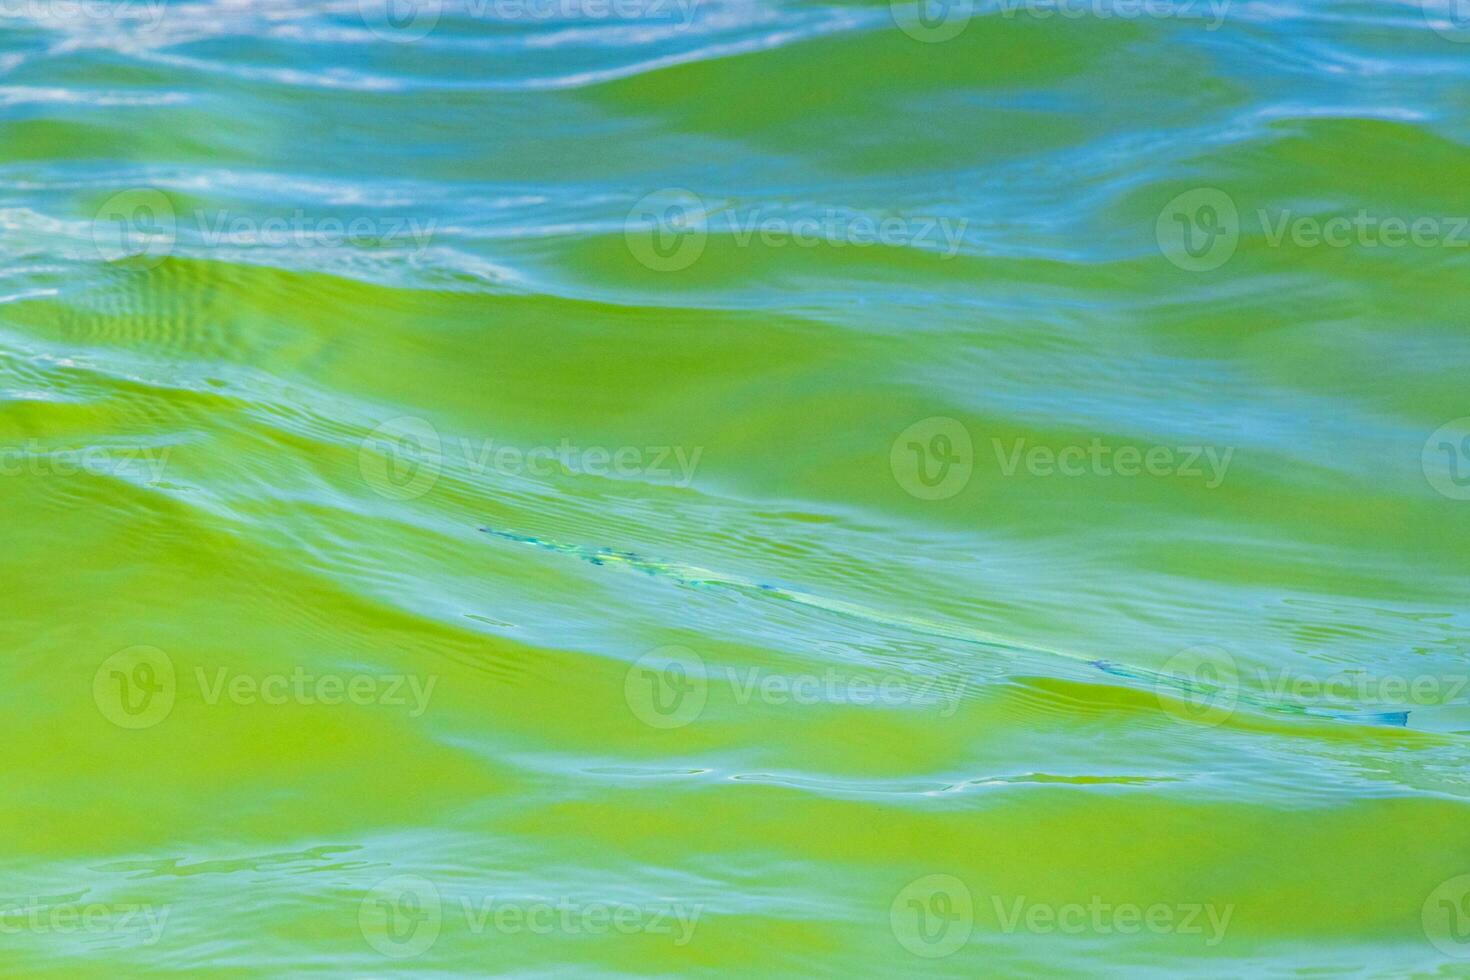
{"points": [[743, 488]]}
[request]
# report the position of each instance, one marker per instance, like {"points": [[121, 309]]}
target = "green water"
{"points": [[757, 488]]}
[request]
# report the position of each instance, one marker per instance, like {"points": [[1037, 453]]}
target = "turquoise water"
{"points": [[630, 487]]}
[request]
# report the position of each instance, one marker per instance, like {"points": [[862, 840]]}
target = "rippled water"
{"points": [[587, 487]]}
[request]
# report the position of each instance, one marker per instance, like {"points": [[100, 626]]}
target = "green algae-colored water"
{"points": [[734, 487]]}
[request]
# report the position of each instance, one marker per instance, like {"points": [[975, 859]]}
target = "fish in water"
{"points": [[694, 577], [1196, 688]]}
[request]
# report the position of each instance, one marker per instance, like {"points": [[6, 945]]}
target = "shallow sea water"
{"points": [[756, 488]]}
